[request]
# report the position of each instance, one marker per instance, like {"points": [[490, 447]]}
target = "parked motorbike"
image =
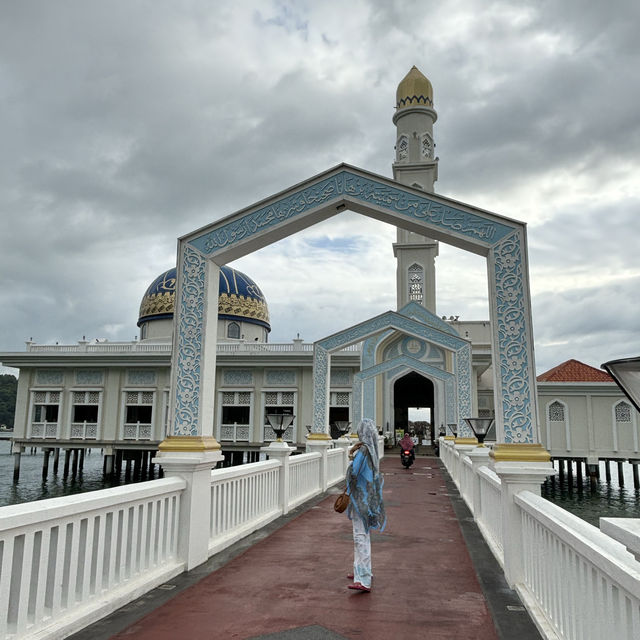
{"points": [[406, 457]]}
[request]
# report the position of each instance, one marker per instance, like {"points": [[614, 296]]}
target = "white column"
{"points": [[516, 477], [195, 503]]}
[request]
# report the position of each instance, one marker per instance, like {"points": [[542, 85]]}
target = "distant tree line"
{"points": [[8, 390]]}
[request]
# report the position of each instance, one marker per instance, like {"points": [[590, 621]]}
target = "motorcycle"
{"points": [[406, 457]]}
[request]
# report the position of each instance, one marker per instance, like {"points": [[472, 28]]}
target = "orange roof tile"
{"points": [[574, 371]]}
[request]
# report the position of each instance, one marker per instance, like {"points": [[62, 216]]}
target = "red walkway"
{"points": [[424, 584]]}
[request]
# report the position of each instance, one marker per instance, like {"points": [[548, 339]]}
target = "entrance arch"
{"points": [[411, 390], [501, 240]]}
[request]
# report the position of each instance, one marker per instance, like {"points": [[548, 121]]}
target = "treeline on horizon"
{"points": [[8, 390]]}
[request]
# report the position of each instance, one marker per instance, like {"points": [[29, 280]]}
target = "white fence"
{"points": [[83, 556], [66, 562], [577, 582]]}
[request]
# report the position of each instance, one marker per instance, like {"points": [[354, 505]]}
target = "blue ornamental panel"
{"points": [[321, 363], [514, 340], [187, 358], [366, 188]]}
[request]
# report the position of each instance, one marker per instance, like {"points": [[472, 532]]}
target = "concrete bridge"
{"points": [[69, 562]]}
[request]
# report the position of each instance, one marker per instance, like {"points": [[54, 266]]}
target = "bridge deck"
{"points": [[290, 582]]}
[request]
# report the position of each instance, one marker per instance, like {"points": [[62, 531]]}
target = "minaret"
{"points": [[415, 166]]}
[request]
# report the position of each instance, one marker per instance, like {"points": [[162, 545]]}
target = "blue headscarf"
{"points": [[364, 482]]}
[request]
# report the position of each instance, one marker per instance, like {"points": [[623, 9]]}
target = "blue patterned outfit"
{"points": [[366, 507]]}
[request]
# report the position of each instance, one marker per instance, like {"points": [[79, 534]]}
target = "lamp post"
{"points": [[453, 428], [280, 422], [343, 427], [480, 428], [626, 373]]}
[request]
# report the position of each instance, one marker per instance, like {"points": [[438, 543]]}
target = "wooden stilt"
{"points": [[65, 469], [56, 460], [607, 471], [16, 467], [620, 474], [74, 463], [45, 463]]}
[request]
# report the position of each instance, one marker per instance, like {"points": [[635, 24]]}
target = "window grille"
{"points": [[416, 282], [84, 414], [46, 410], [556, 412], [623, 412], [138, 415], [339, 398]]}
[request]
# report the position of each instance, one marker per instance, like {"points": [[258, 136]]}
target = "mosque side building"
{"points": [[115, 395]]}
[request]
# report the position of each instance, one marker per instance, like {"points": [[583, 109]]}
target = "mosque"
{"points": [[116, 395]]}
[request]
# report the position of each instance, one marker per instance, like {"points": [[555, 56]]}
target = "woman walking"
{"points": [[366, 508]]}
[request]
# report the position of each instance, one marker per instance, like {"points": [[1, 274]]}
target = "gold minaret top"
{"points": [[414, 90]]}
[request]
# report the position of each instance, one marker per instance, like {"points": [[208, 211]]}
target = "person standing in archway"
{"points": [[366, 506]]}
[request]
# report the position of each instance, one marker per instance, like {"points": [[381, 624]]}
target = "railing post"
{"points": [[321, 446], [516, 477], [195, 503], [344, 444], [462, 450], [479, 458], [281, 451]]}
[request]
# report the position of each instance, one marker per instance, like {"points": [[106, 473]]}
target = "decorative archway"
{"points": [[322, 349], [501, 240], [398, 365], [370, 354]]}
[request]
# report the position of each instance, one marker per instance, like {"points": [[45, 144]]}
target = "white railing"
{"points": [[586, 584], [304, 478], [84, 430], [66, 562], [466, 480], [243, 499], [336, 465], [137, 431], [82, 556], [577, 582], [489, 518], [165, 347], [44, 430]]}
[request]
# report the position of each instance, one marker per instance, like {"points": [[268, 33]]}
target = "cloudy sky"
{"points": [[125, 124]]}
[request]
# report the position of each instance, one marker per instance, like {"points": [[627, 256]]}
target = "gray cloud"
{"points": [[127, 124]]}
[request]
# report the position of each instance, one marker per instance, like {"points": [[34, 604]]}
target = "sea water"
{"points": [[31, 485]]}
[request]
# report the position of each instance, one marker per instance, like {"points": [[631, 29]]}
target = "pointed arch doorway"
{"points": [[413, 391]]}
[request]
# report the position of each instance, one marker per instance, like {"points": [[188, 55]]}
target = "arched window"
{"points": [[556, 412], [416, 282], [623, 418], [402, 148], [233, 330], [557, 421]]}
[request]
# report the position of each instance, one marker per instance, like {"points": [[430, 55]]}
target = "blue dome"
{"points": [[239, 298]]}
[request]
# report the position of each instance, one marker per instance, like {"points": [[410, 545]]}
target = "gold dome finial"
{"points": [[414, 90]]}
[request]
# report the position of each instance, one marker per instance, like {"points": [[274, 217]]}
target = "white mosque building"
{"points": [[115, 395]]}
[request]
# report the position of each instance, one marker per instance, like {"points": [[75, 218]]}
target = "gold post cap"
{"points": [[318, 436], [511, 452], [189, 443], [466, 441]]}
